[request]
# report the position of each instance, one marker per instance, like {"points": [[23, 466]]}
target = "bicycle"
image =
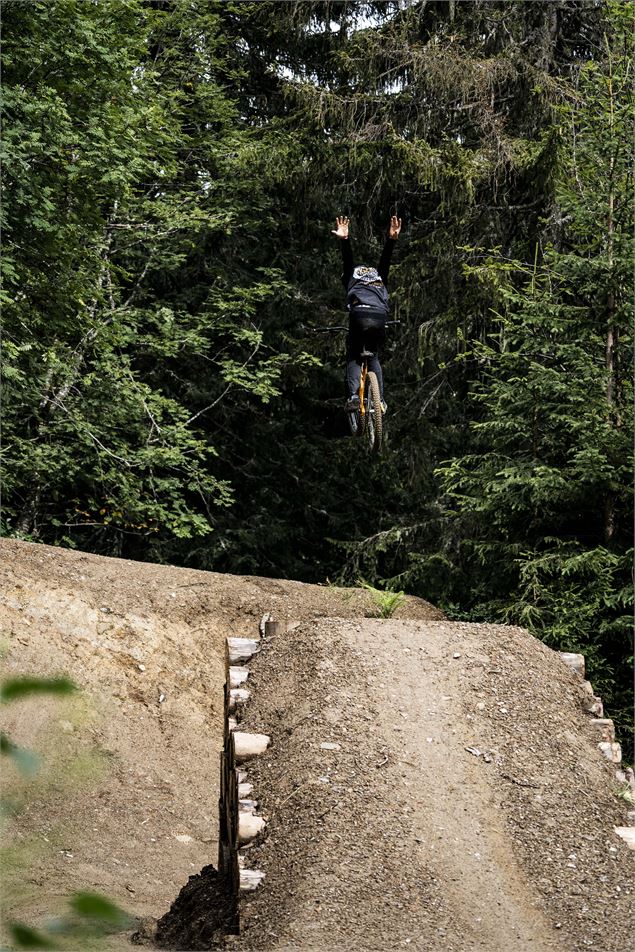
{"points": [[366, 420]]}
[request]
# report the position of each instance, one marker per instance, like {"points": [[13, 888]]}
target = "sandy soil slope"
{"points": [[398, 837], [126, 800], [465, 805]]}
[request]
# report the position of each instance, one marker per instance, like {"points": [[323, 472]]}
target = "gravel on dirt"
{"points": [[465, 806]]}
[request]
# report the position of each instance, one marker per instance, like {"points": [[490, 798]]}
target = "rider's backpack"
{"points": [[366, 287]]}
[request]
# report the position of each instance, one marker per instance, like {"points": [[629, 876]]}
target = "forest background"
{"points": [[171, 175]]}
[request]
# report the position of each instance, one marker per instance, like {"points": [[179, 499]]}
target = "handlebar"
{"points": [[344, 327]]}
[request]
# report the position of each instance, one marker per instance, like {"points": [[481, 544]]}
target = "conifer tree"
{"points": [[542, 505], [171, 175]]}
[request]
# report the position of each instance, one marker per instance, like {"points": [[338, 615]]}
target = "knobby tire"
{"points": [[374, 416]]}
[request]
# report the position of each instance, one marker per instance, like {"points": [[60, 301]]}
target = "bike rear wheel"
{"points": [[374, 417]]}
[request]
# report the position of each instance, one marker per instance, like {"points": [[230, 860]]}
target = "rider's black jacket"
{"points": [[363, 285]]}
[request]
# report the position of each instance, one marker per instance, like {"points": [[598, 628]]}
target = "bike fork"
{"points": [[362, 388]]}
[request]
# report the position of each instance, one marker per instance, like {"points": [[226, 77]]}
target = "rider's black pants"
{"points": [[366, 331]]}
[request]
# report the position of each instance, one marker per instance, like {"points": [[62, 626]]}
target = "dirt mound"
{"points": [[460, 802], [431, 786], [126, 800]]}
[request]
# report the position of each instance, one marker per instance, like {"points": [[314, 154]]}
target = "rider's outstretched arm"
{"points": [[347, 251], [393, 234]]}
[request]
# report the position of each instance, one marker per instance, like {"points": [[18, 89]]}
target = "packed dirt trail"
{"points": [[459, 803], [430, 785]]}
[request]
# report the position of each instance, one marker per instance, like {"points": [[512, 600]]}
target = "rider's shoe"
{"points": [[353, 402], [384, 406]]}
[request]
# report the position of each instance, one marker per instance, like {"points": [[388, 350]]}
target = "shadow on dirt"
{"points": [[200, 917]]}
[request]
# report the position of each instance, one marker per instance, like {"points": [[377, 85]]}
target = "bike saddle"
{"points": [[367, 353]]}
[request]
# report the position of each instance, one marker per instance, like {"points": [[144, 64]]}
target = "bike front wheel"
{"points": [[374, 417]]}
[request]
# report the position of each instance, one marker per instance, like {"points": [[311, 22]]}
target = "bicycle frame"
{"points": [[362, 388], [364, 365]]}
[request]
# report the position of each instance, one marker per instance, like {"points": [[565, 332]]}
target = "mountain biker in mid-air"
{"points": [[367, 303]]}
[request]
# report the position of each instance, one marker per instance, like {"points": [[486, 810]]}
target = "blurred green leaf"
{"points": [[26, 760], [94, 906], [17, 688], [25, 937]]}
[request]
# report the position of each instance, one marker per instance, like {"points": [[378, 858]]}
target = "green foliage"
{"points": [[125, 326], [91, 914], [171, 175], [544, 498], [93, 907], [14, 689], [25, 760], [625, 794], [25, 937], [91, 917], [387, 602]]}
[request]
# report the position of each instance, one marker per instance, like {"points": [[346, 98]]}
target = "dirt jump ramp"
{"points": [[425, 785], [417, 783]]}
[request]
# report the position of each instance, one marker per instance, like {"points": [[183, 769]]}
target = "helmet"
{"points": [[367, 275]]}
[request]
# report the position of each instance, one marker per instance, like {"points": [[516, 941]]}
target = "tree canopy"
{"points": [[171, 175]]}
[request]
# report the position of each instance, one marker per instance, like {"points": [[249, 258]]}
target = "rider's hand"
{"points": [[395, 227], [342, 227]]}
